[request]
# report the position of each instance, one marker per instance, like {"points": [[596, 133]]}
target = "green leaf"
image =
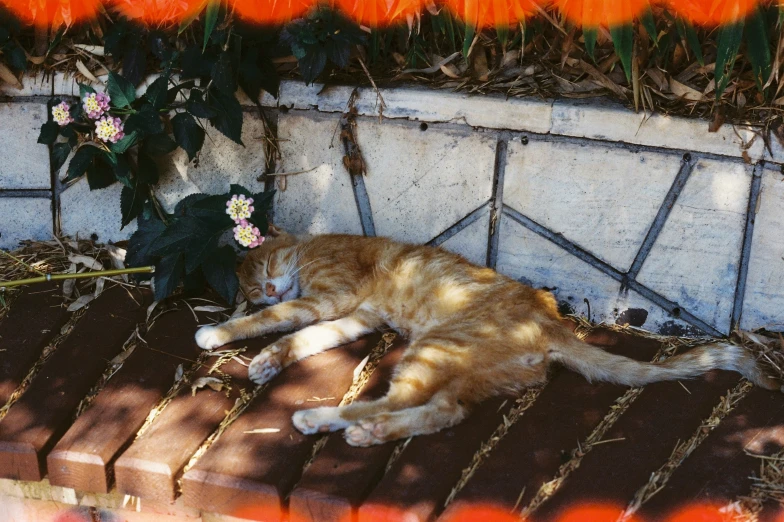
{"points": [[82, 159], [689, 36], [727, 45], [589, 35], [60, 152], [220, 270], [148, 169], [158, 145], [178, 236], [128, 141], [17, 58], [168, 274], [198, 107], [223, 74], [312, 63], [49, 132], [188, 20], [100, 174], [201, 249], [139, 244], [212, 209], [132, 202], [122, 171], [470, 30], [229, 118], [121, 91], [239, 189], [171, 97], [758, 47], [188, 134], [623, 41], [146, 121], [158, 91], [213, 7], [84, 90]]}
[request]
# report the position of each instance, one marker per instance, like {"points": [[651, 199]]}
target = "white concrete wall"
{"points": [[625, 218]]}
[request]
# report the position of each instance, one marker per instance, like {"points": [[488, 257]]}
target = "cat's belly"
{"points": [[403, 319]]}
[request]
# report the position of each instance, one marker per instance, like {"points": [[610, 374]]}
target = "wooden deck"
{"points": [[95, 422]]}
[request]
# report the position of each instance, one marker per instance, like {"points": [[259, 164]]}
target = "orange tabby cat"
{"points": [[473, 332]]}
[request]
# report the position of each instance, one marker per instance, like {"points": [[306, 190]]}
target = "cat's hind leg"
{"points": [[310, 341], [442, 411]]}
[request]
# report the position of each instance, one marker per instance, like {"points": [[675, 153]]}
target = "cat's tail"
{"points": [[597, 364]]}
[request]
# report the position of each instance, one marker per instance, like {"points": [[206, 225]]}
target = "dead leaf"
{"points": [[209, 308], [450, 70], [122, 356], [8, 77], [99, 286], [360, 367], [86, 72], [97, 50], [240, 311], [436, 67], [684, 91], [81, 302], [658, 78], [87, 261], [481, 71], [717, 121], [69, 284], [213, 382], [179, 372], [263, 430], [150, 309]]}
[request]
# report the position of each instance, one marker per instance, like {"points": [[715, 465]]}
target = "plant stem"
{"points": [[84, 275]]}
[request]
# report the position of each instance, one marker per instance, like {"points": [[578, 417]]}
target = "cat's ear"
{"points": [[273, 231]]}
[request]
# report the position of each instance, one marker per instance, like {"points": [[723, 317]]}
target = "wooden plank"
{"points": [[36, 422], [84, 457], [341, 476], [533, 450], [423, 476], [35, 318], [719, 470], [639, 443], [151, 466], [248, 474]]}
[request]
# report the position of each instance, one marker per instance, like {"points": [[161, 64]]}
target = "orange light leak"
{"points": [[271, 12], [699, 513], [378, 13], [374, 13], [595, 513], [482, 513], [495, 13], [154, 12]]}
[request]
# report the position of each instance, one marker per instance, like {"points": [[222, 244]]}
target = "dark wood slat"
{"points": [[662, 415], [427, 470], [533, 450], [40, 417], [150, 467], [35, 317], [341, 476], [84, 457], [248, 474], [719, 470]]}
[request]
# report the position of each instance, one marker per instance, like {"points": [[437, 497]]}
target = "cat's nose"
{"points": [[270, 289]]}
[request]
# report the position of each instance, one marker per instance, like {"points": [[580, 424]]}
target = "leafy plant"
{"points": [[323, 35], [187, 247]]}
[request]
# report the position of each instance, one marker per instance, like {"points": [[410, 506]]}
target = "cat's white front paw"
{"points": [[265, 366], [318, 420], [210, 337]]}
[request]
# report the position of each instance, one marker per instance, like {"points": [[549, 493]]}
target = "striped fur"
{"points": [[473, 332]]}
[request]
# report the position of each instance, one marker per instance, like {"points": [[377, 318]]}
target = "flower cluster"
{"points": [[109, 129], [247, 235], [239, 208], [96, 104], [62, 114]]}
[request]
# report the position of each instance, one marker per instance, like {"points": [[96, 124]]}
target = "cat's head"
{"points": [[268, 274]]}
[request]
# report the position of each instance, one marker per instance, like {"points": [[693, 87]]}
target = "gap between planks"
{"points": [[47, 352]]}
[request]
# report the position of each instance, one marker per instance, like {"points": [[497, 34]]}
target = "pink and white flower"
{"points": [[239, 208], [109, 129], [95, 104], [62, 114], [247, 235]]}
